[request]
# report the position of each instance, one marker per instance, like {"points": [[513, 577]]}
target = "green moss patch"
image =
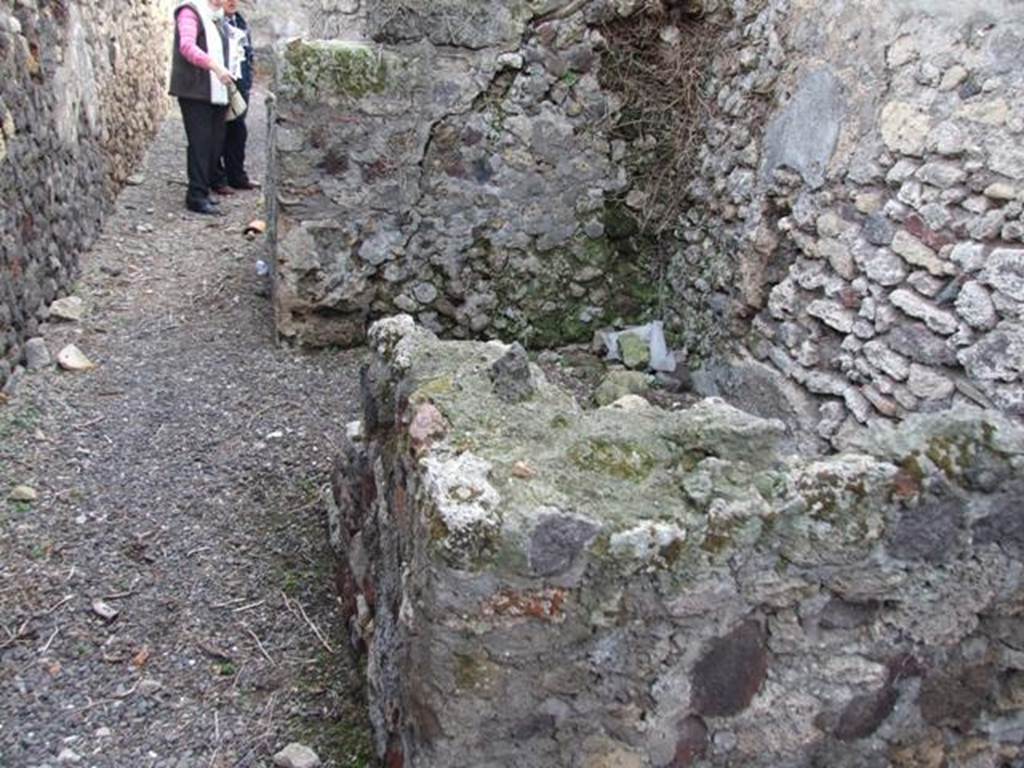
{"points": [[619, 459], [343, 69]]}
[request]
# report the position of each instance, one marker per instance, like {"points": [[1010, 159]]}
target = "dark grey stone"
{"points": [[469, 25], [1006, 629], [37, 356], [803, 136], [915, 341], [692, 743], [511, 375], [842, 614], [956, 698], [556, 543], [878, 230], [929, 530], [1004, 525], [989, 472], [731, 672], [969, 89], [865, 714], [760, 389]]}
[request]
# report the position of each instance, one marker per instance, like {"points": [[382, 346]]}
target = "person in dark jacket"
{"points": [[199, 79], [231, 173]]}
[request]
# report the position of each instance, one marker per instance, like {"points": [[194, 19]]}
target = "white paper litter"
{"points": [[652, 333]]}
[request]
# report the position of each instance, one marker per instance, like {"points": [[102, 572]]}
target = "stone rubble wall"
{"points": [[459, 167], [82, 88], [856, 222], [273, 21], [536, 585]]}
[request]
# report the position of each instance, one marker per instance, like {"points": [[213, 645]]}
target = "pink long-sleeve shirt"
{"points": [[188, 32]]}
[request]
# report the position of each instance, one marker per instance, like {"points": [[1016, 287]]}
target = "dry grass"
{"points": [[658, 61]]}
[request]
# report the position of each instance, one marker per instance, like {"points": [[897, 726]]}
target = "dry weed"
{"points": [[658, 60]]}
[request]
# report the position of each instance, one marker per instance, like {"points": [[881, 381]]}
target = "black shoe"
{"points": [[245, 184], [204, 207]]}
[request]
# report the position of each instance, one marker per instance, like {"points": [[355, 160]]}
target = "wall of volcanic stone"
{"points": [[459, 167], [851, 241], [856, 215], [538, 585], [81, 90]]}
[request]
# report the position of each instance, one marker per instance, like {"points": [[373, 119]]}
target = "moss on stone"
{"points": [[832, 494], [470, 672], [433, 388], [721, 535], [540, 294], [562, 327], [634, 350], [832, 503], [686, 460], [671, 554], [952, 455], [339, 68], [597, 252], [437, 528], [619, 223], [912, 466], [767, 484], [561, 421], [541, 312], [619, 459]]}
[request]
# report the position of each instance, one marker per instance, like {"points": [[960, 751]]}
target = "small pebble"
{"points": [[104, 610], [296, 756], [23, 493], [67, 756], [149, 686]]}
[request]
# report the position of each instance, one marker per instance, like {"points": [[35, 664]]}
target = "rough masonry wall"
{"points": [[275, 20], [82, 86], [459, 168], [540, 586], [856, 220]]}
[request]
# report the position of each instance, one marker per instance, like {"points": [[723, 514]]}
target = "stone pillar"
{"points": [[460, 166]]}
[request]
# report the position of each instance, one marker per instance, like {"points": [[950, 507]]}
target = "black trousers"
{"points": [[231, 166], [204, 127]]}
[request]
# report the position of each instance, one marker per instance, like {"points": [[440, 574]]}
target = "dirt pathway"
{"points": [[179, 483]]}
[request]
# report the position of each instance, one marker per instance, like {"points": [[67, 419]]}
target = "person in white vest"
{"points": [[200, 75], [231, 173]]}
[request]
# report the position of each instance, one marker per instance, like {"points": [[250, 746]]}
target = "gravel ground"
{"points": [[179, 483]]}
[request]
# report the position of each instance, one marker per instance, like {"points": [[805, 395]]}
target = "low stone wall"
{"points": [[460, 168], [81, 91], [856, 219], [536, 585]]}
